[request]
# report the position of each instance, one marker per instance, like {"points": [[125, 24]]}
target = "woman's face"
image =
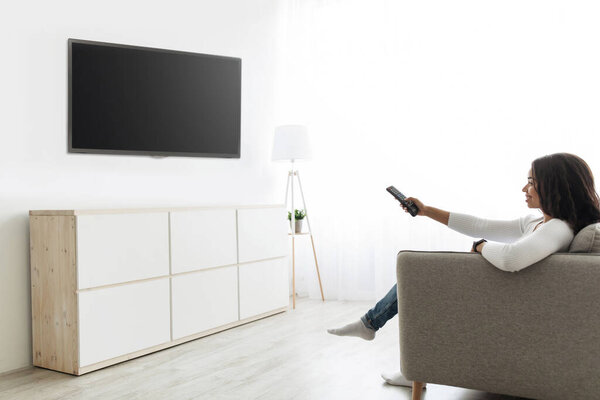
{"points": [[531, 196]]}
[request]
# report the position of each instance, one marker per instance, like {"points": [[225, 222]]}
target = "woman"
{"points": [[560, 185]]}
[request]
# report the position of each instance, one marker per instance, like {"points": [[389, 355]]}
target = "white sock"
{"points": [[357, 329], [396, 379]]}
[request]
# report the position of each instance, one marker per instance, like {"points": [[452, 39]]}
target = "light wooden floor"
{"points": [[287, 356]]}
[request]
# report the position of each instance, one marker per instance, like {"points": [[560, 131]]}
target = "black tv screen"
{"points": [[137, 100]]}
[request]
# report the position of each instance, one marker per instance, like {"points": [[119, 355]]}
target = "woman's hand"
{"points": [[417, 203]]}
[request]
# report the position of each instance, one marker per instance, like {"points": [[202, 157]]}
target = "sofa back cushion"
{"points": [[587, 240]]}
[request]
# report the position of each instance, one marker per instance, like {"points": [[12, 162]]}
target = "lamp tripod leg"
{"points": [[287, 188], [317, 265], [311, 236], [293, 274], [293, 229]]}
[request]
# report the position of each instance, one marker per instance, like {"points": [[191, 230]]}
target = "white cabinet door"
{"points": [[123, 319], [263, 287], [115, 248], [204, 300], [262, 233], [202, 239]]}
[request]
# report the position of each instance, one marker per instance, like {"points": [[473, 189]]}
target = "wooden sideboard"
{"points": [[111, 285]]}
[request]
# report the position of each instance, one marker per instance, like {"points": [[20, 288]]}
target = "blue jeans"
{"points": [[384, 310]]}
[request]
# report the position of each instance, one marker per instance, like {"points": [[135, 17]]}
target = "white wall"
{"points": [[448, 100], [36, 172]]}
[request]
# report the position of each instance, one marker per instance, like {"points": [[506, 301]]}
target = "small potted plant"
{"points": [[298, 216]]}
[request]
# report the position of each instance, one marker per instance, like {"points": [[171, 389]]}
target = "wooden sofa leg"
{"points": [[417, 390]]}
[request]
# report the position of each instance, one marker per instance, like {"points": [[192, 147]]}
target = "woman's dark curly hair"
{"points": [[566, 188]]}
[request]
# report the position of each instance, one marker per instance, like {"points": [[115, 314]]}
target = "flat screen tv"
{"points": [[138, 100]]}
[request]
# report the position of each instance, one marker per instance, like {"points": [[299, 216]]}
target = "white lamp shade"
{"points": [[291, 143]]}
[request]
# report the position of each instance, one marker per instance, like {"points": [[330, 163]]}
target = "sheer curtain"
{"points": [[448, 101]]}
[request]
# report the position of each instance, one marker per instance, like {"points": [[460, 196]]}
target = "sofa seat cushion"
{"points": [[587, 240]]}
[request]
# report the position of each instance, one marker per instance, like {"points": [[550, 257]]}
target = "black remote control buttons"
{"points": [[412, 208]]}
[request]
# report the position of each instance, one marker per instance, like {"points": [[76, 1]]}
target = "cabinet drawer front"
{"points": [[122, 319], [202, 239], [115, 248], [262, 233], [204, 300], [263, 287]]}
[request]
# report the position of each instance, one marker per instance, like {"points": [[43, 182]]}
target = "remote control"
{"points": [[412, 208]]}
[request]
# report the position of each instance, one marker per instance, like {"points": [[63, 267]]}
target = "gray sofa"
{"points": [[533, 333]]}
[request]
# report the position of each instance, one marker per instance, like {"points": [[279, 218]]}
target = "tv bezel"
{"points": [[76, 150]]}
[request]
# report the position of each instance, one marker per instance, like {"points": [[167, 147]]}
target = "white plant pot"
{"points": [[298, 223]]}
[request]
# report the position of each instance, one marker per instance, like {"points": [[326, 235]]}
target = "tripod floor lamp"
{"points": [[290, 144]]}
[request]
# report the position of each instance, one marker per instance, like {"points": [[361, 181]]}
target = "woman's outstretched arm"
{"points": [[498, 230]]}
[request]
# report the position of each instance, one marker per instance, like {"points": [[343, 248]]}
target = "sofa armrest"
{"points": [[533, 333]]}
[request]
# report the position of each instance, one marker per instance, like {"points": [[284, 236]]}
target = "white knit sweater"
{"points": [[520, 245]]}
